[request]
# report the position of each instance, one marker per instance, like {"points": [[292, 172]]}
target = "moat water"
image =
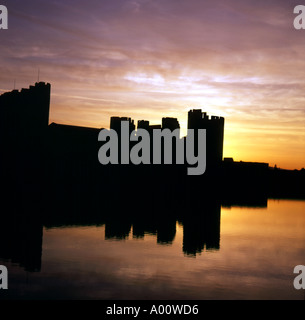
{"points": [[250, 254]]}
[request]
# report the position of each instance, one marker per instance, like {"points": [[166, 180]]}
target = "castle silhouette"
{"points": [[32, 150], [50, 175]]}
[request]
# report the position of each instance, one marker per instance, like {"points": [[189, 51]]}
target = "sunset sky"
{"points": [[147, 59]]}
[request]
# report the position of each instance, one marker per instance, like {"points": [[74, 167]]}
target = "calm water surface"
{"points": [[253, 257]]}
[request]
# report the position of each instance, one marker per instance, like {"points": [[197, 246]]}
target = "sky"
{"points": [[148, 59]]}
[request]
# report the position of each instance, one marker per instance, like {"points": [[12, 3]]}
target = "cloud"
{"points": [[143, 58]]}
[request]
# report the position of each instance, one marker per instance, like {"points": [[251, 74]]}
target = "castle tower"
{"points": [[214, 135], [24, 115], [115, 124], [170, 123], [24, 120]]}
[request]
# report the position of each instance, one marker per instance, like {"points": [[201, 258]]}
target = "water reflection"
{"points": [[21, 241], [118, 255], [22, 228]]}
